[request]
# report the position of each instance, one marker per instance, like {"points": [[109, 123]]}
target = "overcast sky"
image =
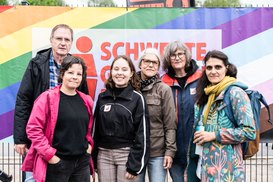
{"points": [[258, 2], [79, 3], [122, 3]]}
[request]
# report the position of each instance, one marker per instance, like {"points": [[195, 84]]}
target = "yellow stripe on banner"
{"points": [[20, 42], [19, 17]]}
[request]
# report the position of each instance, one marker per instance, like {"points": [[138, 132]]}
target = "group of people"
{"points": [[142, 124]]}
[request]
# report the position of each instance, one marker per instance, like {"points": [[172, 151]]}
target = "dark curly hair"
{"points": [[203, 82], [68, 62]]}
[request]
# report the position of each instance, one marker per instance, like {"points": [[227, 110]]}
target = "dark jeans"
{"points": [[177, 172], [71, 170]]}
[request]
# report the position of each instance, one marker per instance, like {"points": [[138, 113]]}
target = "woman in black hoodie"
{"points": [[121, 126]]}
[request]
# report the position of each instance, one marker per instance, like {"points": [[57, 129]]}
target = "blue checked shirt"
{"points": [[53, 72]]}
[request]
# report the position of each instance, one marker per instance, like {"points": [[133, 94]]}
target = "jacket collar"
{"points": [[172, 81], [127, 93], [46, 53], [57, 89], [150, 86]]}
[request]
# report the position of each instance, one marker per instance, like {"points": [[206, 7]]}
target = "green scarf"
{"points": [[213, 92]]}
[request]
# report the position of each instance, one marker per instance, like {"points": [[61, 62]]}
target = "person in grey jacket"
{"points": [[159, 98]]}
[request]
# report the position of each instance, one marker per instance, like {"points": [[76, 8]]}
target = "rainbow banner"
{"points": [[100, 34]]}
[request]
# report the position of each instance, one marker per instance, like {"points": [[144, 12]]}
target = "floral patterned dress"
{"points": [[222, 158]]}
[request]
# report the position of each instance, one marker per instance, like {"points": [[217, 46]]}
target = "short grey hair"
{"points": [[61, 26], [152, 51]]}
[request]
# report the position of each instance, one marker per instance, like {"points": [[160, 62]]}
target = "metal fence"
{"points": [[10, 161], [258, 169]]}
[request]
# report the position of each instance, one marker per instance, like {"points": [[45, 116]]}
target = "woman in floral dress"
{"points": [[215, 153]]}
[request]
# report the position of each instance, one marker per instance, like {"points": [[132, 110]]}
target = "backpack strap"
{"points": [[228, 109], [263, 101]]}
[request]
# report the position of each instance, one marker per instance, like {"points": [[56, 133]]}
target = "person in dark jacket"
{"points": [[121, 125], [160, 102], [182, 75], [40, 75]]}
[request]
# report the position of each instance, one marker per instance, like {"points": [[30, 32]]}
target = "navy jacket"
{"points": [[184, 101]]}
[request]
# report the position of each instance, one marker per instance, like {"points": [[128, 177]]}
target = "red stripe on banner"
{"points": [[4, 8]]}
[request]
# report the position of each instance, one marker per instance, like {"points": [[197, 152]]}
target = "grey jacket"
{"points": [[159, 99]]}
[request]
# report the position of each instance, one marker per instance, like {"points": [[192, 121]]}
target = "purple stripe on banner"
{"points": [[6, 124], [246, 26]]}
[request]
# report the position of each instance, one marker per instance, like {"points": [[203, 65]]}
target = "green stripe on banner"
{"points": [[12, 71], [145, 18]]}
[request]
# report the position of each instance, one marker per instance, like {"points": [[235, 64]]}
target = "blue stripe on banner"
{"points": [[200, 19], [8, 97]]}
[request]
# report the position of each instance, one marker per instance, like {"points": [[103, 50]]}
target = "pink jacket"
{"points": [[40, 130]]}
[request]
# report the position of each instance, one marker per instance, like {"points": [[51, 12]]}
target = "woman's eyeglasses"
{"points": [[147, 62], [179, 55]]}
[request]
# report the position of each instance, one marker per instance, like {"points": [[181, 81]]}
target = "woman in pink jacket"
{"points": [[60, 129]]}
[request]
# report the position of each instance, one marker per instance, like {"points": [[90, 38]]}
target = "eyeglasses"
{"points": [[60, 39], [147, 62], [180, 55]]}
